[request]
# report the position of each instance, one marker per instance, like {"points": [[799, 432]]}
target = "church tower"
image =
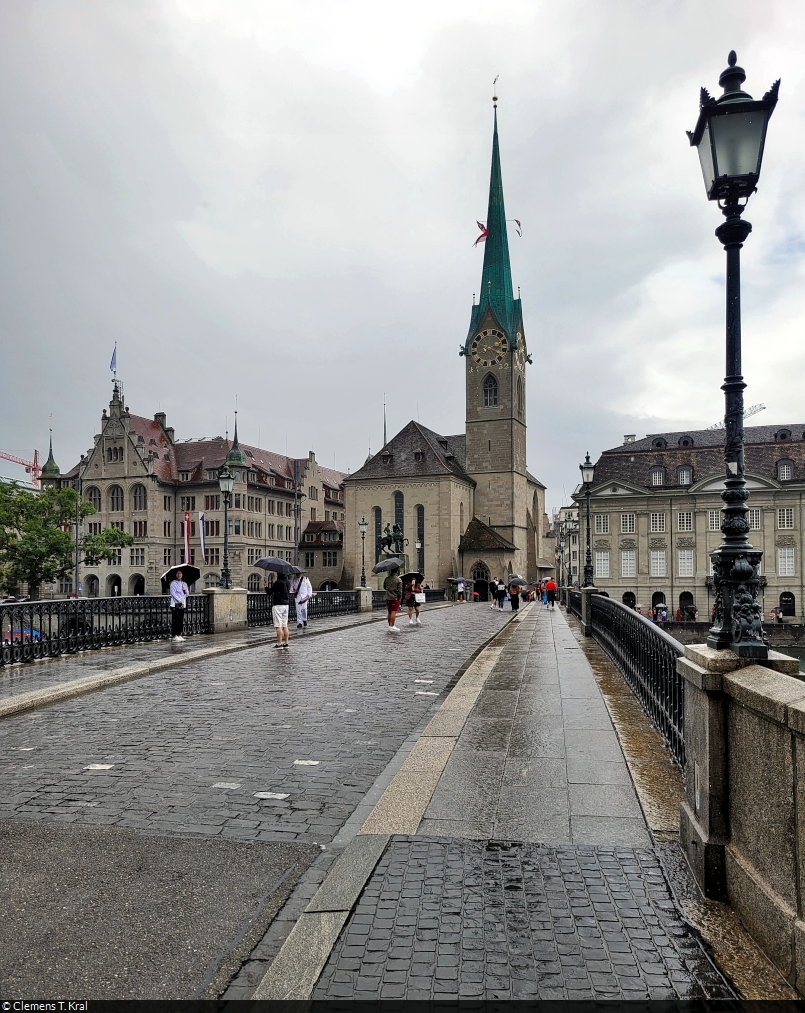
{"points": [[496, 355]]}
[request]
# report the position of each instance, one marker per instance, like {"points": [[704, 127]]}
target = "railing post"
{"points": [[586, 610], [228, 609], [364, 599]]}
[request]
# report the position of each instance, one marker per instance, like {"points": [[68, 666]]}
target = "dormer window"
{"points": [[685, 441], [657, 476], [385, 457], [659, 442], [418, 456], [782, 434], [684, 476], [785, 471], [184, 476]]}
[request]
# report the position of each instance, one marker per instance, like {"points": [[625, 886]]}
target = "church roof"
{"points": [[416, 451], [479, 537], [496, 278], [50, 469], [534, 481]]}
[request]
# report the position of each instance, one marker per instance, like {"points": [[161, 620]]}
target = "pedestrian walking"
{"points": [[412, 588], [179, 594], [280, 592], [514, 596], [501, 594], [550, 587], [460, 591], [393, 587], [303, 592]]}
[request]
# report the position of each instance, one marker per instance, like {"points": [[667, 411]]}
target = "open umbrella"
{"points": [[190, 574], [387, 564], [413, 575], [276, 565], [453, 580], [518, 582]]}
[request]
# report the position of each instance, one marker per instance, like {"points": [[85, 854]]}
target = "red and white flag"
{"points": [[187, 536], [483, 235]]}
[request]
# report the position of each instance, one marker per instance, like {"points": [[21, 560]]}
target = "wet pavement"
{"points": [[532, 872]]}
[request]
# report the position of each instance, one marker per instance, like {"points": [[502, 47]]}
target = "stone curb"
{"points": [[115, 676], [293, 973]]}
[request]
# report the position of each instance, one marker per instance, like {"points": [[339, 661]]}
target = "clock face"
{"points": [[489, 347]]}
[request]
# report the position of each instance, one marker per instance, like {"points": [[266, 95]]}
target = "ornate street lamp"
{"points": [[587, 475], [363, 526], [729, 136], [227, 483]]}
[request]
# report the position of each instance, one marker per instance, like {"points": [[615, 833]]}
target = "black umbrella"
{"points": [[452, 580], [190, 574], [276, 565], [413, 575], [518, 582], [387, 564]]}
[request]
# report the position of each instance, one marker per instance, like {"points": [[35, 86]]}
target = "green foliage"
{"points": [[35, 548]]}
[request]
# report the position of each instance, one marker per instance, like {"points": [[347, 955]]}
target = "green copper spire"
{"points": [[496, 278], [50, 468], [236, 456]]}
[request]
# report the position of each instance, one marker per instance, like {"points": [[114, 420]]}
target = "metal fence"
{"points": [[574, 603], [647, 657], [46, 629], [431, 594], [323, 603]]}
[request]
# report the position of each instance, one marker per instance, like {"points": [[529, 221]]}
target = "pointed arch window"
{"points": [[93, 495], [399, 510], [490, 391], [378, 517], [520, 398]]}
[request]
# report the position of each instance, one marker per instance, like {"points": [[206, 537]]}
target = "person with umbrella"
{"points": [[412, 583], [179, 595], [280, 594], [393, 587], [303, 592]]}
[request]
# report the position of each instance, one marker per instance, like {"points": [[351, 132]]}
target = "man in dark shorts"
{"points": [[393, 587], [550, 587]]}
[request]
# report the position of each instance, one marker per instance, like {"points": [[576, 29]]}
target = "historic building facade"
{"points": [[655, 516], [141, 479], [468, 500]]}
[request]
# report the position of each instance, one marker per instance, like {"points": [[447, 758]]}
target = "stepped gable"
{"points": [[703, 450], [154, 442], [417, 451], [479, 537]]}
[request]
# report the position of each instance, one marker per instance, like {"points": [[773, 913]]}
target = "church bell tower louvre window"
{"points": [[490, 391]]}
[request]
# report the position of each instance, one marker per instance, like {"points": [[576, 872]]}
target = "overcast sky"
{"points": [[277, 201]]}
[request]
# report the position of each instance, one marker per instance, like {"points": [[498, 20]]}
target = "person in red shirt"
{"points": [[550, 587]]}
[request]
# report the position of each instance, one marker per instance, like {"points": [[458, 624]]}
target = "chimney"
{"points": [[161, 418], [169, 432], [629, 438]]}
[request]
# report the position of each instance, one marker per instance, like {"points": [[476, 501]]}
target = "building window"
{"points": [[140, 529], [184, 476], [313, 513], [192, 557], [378, 515], [139, 498], [192, 529], [167, 504], [188, 502], [684, 476], [212, 527], [213, 557], [253, 583], [212, 502], [138, 557], [574, 554], [166, 557], [399, 510], [310, 560], [755, 519], [66, 585], [269, 506], [329, 558], [602, 564], [520, 398], [685, 520], [785, 562], [627, 524], [628, 563], [657, 522], [657, 562], [117, 524], [117, 559], [115, 499], [166, 529], [94, 498], [94, 528], [714, 520], [785, 471], [785, 517], [686, 562], [490, 392], [657, 476], [602, 524]]}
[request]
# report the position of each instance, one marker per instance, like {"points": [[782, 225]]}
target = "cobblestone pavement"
{"points": [[259, 745], [441, 919]]}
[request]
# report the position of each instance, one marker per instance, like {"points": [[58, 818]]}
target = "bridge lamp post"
{"points": [[587, 475], [729, 136], [363, 526], [227, 483]]}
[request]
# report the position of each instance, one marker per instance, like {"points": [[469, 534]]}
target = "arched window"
{"points": [[520, 398], [788, 604], [420, 537], [115, 499], [399, 510], [480, 571], [785, 471], [490, 391], [93, 495], [378, 515], [461, 520], [629, 599], [253, 582], [139, 498]]}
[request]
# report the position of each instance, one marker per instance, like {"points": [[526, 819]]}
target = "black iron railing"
{"points": [[431, 594], [378, 599], [323, 603], [647, 657], [574, 603], [46, 629]]}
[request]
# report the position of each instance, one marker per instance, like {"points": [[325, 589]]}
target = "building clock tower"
{"points": [[496, 355]]}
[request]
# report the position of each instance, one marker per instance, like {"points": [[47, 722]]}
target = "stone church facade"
{"points": [[467, 504]]}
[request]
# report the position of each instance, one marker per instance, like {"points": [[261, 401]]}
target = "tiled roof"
{"points": [[479, 537], [151, 430], [416, 451], [200, 455], [710, 437]]}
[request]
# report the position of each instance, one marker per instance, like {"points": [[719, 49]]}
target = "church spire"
{"points": [[50, 468], [496, 278], [236, 455]]}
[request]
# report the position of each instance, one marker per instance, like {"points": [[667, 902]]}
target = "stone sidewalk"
{"points": [[508, 859]]}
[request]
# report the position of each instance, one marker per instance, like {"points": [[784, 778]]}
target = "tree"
{"points": [[35, 548]]}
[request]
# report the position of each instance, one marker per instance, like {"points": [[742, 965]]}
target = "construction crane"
{"points": [[32, 467], [748, 413]]}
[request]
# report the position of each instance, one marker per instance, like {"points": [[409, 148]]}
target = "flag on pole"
{"points": [[113, 363], [187, 536], [483, 235], [201, 534]]}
